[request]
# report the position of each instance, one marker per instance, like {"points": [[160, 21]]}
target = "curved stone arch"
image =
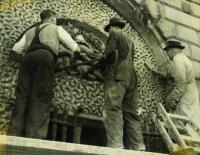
{"points": [[96, 14]]}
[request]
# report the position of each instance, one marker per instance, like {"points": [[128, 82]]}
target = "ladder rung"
{"points": [[178, 117], [179, 128], [167, 139], [176, 134], [190, 139], [196, 149]]}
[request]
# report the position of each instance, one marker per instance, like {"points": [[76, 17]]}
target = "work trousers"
{"points": [[34, 92], [120, 115]]}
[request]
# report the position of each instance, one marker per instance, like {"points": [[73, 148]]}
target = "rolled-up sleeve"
{"points": [[67, 40], [178, 72], [20, 46]]}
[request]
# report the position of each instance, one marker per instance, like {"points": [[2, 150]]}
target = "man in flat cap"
{"points": [[39, 46], [120, 108], [184, 98]]}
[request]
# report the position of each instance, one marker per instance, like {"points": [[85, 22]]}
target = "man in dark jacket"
{"points": [[120, 108], [39, 46]]}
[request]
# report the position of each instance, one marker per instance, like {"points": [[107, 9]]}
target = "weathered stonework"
{"points": [[180, 20], [18, 15]]}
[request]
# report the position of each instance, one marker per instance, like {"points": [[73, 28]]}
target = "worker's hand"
{"points": [[154, 70], [109, 57], [171, 103]]}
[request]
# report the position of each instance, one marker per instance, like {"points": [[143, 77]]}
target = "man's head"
{"points": [[48, 16], [173, 48], [115, 23]]}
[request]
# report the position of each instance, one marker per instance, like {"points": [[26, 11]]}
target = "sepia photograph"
{"points": [[99, 77]]}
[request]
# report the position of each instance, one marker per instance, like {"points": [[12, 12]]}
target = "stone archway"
{"points": [[20, 14]]}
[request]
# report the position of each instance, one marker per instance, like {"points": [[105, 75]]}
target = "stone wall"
{"points": [[17, 15], [179, 19]]}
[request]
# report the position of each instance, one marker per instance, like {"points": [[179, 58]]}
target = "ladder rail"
{"points": [[167, 139], [178, 138], [191, 122]]}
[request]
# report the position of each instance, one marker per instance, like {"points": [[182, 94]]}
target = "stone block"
{"points": [[175, 3], [153, 8], [195, 1], [167, 28], [195, 53], [182, 18], [196, 9], [187, 34]]}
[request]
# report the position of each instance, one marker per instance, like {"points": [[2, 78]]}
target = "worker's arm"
{"points": [[155, 70], [17, 51], [67, 40], [20, 46], [178, 72], [111, 45]]}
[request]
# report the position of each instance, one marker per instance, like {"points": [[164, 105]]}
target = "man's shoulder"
{"points": [[182, 59], [50, 25]]}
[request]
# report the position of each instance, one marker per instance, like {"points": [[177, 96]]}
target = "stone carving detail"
{"points": [[17, 15]]}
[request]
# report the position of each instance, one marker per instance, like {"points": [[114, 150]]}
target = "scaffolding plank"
{"points": [[27, 146]]}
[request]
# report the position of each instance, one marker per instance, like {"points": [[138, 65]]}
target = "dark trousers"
{"points": [[120, 115], [34, 92]]}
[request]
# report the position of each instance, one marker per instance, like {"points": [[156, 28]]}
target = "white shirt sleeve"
{"points": [[67, 40], [20, 46], [178, 72]]}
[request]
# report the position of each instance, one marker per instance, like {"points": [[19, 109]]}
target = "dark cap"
{"points": [[45, 14], [114, 22], [174, 44]]}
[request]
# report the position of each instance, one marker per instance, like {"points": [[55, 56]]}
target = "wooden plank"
{"points": [[196, 149], [10, 145], [90, 117], [77, 134], [177, 137], [54, 132], [185, 151], [184, 118], [64, 133], [81, 121], [191, 139]]}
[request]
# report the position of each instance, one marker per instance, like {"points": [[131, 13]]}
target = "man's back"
{"points": [[50, 35], [122, 67], [188, 68], [122, 43], [183, 73]]}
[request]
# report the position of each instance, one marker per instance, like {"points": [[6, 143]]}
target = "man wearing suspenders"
{"points": [[39, 46], [120, 107]]}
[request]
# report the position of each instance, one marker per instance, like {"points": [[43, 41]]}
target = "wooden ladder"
{"points": [[177, 131]]}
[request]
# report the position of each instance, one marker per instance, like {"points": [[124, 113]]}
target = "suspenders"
{"points": [[36, 44]]}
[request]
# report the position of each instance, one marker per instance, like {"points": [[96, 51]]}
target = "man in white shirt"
{"points": [[184, 97], [39, 46]]}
